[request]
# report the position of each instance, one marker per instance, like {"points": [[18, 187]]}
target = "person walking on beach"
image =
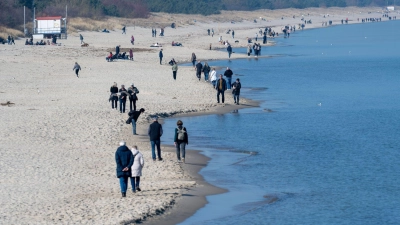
{"points": [[213, 77], [199, 68], [138, 164], [236, 91], [180, 140], [193, 59], [114, 96], [132, 92], [212, 32], [132, 40], [155, 132], [206, 71], [228, 74], [131, 54], [229, 49], [77, 67], [81, 38], [124, 161], [124, 30], [221, 87], [233, 34], [160, 54], [133, 116], [122, 98], [249, 50], [174, 69]]}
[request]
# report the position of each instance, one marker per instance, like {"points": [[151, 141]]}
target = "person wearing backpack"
{"points": [[180, 140]]}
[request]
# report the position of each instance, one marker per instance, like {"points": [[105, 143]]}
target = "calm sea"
{"points": [[326, 134]]}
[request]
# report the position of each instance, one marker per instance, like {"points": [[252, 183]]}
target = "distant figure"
{"points": [[132, 92], [138, 164], [114, 95], [249, 50], [81, 38], [109, 58], [12, 40], [228, 74], [124, 30], [131, 54], [206, 71], [155, 132], [174, 69], [117, 50], [212, 32], [132, 40], [233, 34], [256, 36], [199, 68], [124, 161], [180, 140], [208, 31], [213, 77], [236, 90], [160, 54], [193, 59], [133, 116], [265, 39], [221, 87], [77, 67], [122, 98], [229, 49]]}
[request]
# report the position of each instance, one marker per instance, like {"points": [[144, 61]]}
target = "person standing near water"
{"points": [[199, 68], [228, 74], [206, 71], [236, 90], [77, 67], [221, 87], [174, 69], [180, 140], [124, 161], [229, 49], [193, 59], [213, 77], [155, 132], [133, 116]]}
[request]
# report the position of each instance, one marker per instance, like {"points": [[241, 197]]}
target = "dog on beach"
{"points": [[85, 45]]}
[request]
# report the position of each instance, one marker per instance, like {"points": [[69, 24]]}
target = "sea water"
{"points": [[324, 145]]}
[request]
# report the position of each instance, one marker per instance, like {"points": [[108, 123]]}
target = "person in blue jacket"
{"points": [[124, 159]]}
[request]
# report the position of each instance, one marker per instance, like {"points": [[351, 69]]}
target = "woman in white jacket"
{"points": [[213, 77], [138, 164]]}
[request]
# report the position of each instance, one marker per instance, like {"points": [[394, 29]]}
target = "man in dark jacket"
{"points": [[117, 50], [229, 49], [199, 68], [160, 54], [134, 115], [122, 98], [114, 96], [155, 132], [124, 160], [228, 74], [180, 140], [236, 90], [221, 87]]}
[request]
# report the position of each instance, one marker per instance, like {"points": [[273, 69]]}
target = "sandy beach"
{"points": [[59, 137]]}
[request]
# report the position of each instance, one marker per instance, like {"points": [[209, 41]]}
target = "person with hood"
{"points": [[155, 132], [236, 90], [77, 67], [114, 96], [229, 49], [199, 68], [124, 161], [206, 70], [213, 77], [160, 54], [136, 169], [132, 92], [133, 116], [193, 59], [180, 140]]}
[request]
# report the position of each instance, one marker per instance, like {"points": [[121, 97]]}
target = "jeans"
{"points": [[135, 181], [153, 152], [122, 103], [132, 103], [160, 60], [123, 183], [236, 98], [223, 95], [229, 54], [214, 82], [228, 82], [198, 74], [114, 102], [194, 61], [180, 147], [206, 75], [174, 74], [133, 126]]}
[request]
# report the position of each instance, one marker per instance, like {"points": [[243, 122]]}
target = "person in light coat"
{"points": [[136, 169]]}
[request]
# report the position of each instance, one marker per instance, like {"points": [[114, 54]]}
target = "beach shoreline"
{"points": [[62, 132]]}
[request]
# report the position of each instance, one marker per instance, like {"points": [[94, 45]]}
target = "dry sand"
{"points": [[59, 138]]}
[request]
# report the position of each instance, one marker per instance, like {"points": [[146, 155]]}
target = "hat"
{"points": [[132, 85], [122, 143]]}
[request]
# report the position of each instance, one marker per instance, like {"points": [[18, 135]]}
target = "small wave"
{"points": [[245, 152]]}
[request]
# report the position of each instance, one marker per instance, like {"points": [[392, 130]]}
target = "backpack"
{"points": [[181, 134]]}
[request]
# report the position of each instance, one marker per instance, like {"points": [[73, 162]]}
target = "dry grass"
{"points": [[4, 32]]}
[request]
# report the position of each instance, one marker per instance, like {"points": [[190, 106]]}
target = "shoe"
{"points": [[237, 103], [217, 102], [123, 194], [135, 134], [133, 190], [138, 189], [179, 161], [183, 160], [159, 159]]}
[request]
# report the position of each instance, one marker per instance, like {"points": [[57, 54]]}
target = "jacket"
{"points": [[123, 95], [186, 140], [206, 68], [155, 131], [134, 115], [160, 54], [223, 84], [175, 67], [199, 67], [236, 88], [138, 163], [213, 75], [193, 58], [123, 158], [228, 73], [229, 49], [114, 90], [132, 93]]}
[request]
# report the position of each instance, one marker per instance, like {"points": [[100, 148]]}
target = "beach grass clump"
{"points": [[4, 32]]}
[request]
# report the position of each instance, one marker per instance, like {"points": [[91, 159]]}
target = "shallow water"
{"points": [[326, 133]]}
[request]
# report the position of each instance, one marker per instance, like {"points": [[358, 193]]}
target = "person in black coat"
{"points": [[114, 96], [134, 115], [155, 132], [236, 90], [221, 87], [117, 50], [122, 98], [124, 160], [160, 54], [199, 68]]}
